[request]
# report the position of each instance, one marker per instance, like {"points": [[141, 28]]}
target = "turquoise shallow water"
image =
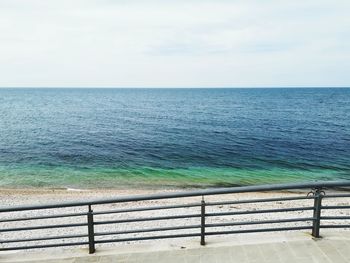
{"points": [[91, 138]]}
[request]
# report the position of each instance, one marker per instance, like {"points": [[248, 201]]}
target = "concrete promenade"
{"points": [[297, 247]]}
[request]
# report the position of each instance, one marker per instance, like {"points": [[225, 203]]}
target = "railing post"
{"points": [[203, 222], [90, 219], [318, 194]]}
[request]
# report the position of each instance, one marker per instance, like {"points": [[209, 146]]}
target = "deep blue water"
{"points": [[172, 137]]}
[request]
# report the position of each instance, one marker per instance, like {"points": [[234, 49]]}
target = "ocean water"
{"points": [[121, 138]]}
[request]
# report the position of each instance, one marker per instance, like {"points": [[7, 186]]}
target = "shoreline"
{"points": [[31, 191], [122, 191]]}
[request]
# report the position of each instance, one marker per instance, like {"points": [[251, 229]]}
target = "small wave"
{"points": [[75, 189]]}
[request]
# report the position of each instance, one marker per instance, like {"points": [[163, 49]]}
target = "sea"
{"points": [[172, 138]]}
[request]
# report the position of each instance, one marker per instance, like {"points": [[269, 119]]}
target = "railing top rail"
{"points": [[203, 192]]}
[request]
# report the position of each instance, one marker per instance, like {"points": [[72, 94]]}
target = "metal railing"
{"points": [[204, 222]]}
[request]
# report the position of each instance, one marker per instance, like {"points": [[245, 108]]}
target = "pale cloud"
{"points": [[174, 43]]}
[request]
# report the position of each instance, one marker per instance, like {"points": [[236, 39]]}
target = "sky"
{"points": [[182, 43]]}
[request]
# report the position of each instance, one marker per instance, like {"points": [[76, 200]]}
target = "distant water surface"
{"points": [[92, 138]]}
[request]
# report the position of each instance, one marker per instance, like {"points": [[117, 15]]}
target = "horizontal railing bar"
{"points": [[44, 246], [145, 209], [145, 219], [336, 195], [334, 226], [41, 217], [261, 222], [41, 227], [336, 207], [258, 230], [147, 238], [259, 200], [41, 238], [261, 211], [335, 217], [147, 230], [231, 190]]}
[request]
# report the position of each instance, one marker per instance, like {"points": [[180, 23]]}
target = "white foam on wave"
{"points": [[75, 190]]}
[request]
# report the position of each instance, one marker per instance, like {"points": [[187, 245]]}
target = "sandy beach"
{"points": [[17, 197]]}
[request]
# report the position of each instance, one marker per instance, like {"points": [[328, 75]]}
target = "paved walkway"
{"points": [[277, 247]]}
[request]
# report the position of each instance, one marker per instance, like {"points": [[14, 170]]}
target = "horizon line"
{"points": [[194, 87]]}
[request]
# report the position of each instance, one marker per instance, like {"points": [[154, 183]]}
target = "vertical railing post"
{"points": [[318, 195], [203, 222], [90, 219]]}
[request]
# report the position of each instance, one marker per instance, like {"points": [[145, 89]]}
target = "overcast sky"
{"points": [[179, 43]]}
